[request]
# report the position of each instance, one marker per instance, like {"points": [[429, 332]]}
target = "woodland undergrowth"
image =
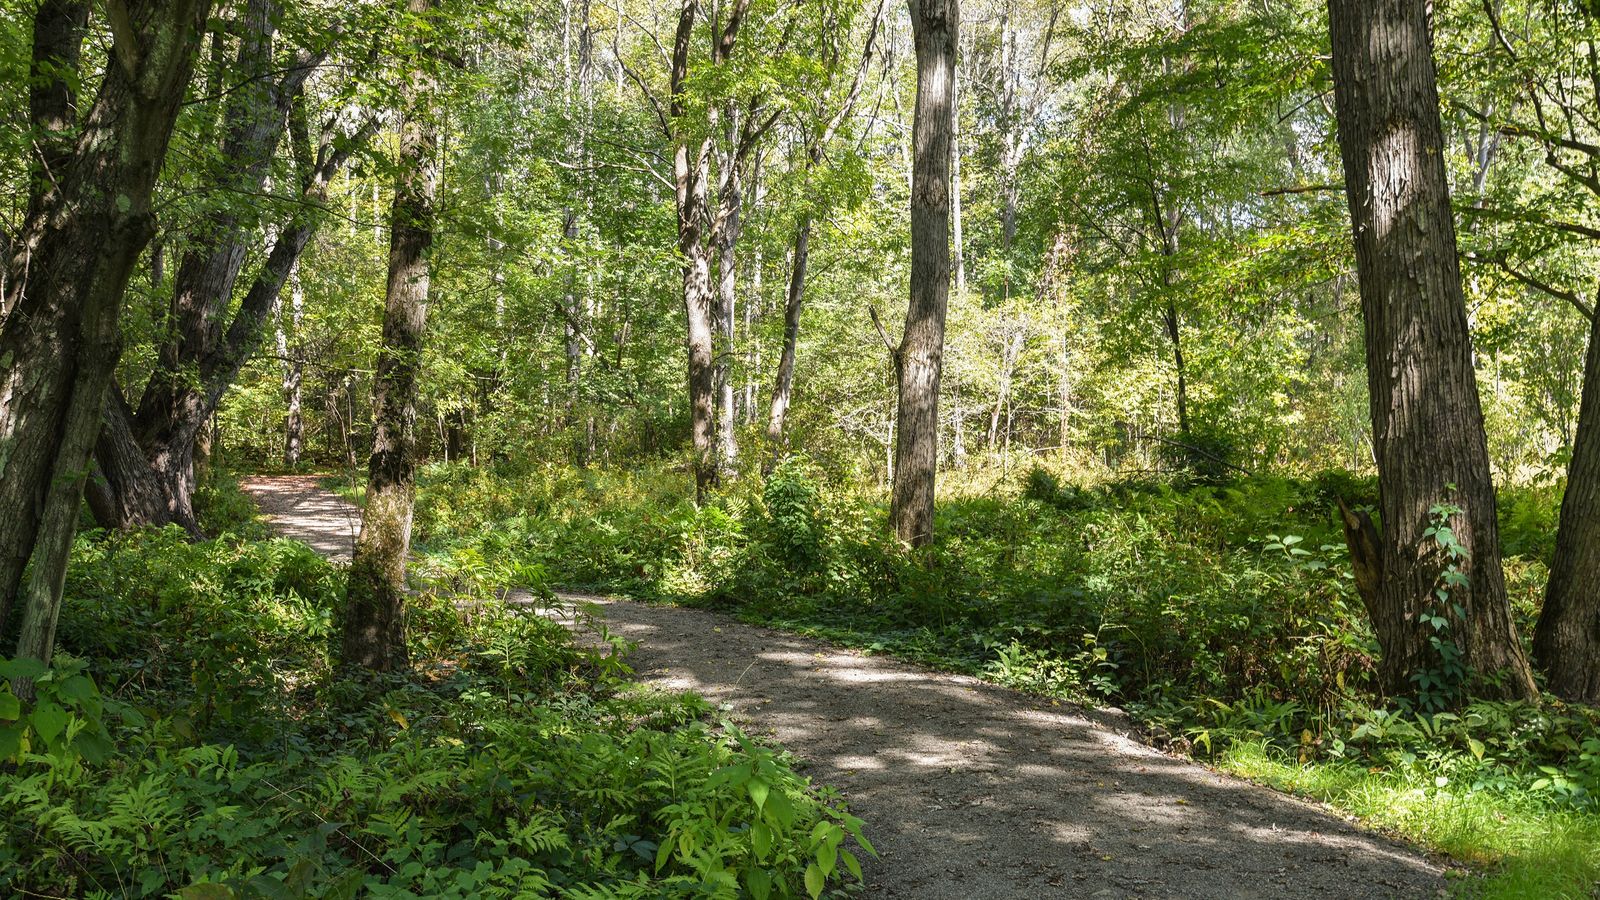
{"points": [[1221, 614], [192, 740]]}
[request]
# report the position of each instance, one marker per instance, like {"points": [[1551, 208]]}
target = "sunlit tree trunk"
{"points": [[691, 169], [1427, 426], [794, 301], [729, 225], [374, 633], [289, 347], [919, 359]]}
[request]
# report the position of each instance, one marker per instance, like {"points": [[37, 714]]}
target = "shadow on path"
{"points": [[971, 791]]}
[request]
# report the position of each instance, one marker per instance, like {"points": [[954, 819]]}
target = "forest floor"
{"points": [[970, 790]]}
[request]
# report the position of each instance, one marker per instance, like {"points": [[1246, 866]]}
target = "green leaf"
{"points": [[759, 883], [23, 667], [851, 863], [207, 892], [1476, 746], [814, 880], [49, 720], [10, 741], [760, 839], [758, 791], [10, 706]]}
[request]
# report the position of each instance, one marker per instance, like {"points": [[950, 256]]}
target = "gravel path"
{"points": [[971, 791]]}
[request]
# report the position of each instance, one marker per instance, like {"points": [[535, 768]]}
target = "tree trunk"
{"points": [[697, 303], [920, 356], [58, 28], [374, 634], [60, 338], [176, 404], [729, 219], [1427, 425], [1566, 643], [954, 178], [783, 385], [293, 374], [691, 168]]}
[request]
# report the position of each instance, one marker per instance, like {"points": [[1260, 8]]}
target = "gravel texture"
{"points": [[972, 791]]}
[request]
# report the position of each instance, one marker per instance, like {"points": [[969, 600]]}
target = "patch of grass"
{"points": [[1528, 847]]}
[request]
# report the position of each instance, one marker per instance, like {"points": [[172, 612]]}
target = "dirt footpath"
{"points": [[971, 791]]}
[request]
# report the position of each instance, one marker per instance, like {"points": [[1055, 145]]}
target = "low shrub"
{"points": [[191, 739]]}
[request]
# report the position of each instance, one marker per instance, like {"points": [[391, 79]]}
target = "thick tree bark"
{"points": [[60, 338], [920, 357], [58, 28], [1566, 643], [374, 632], [175, 405], [1427, 425]]}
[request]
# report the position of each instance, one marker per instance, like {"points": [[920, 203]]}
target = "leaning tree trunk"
{"points": [[374, 634], [794, 302], [1427, 425], [1566, 643], [920, 356], [175, 405], [60, 338]]}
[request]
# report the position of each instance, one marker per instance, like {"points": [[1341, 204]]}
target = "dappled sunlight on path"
{"points": [[971, 791]]}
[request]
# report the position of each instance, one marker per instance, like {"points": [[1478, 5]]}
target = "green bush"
{"points": [[214, 752]]}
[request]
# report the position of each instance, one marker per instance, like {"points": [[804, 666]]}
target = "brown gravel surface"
{"points": [[971, 791]]}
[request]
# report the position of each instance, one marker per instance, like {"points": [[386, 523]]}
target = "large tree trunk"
{"points": [[176, 404], [1427, 426], [955, 179], [60, 337], [697, 304], [920, 356], [374, 633], [58, 27], [1566, 643]]}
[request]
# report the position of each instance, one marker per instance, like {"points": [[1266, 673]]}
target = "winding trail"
{"points": [[970, 791]]}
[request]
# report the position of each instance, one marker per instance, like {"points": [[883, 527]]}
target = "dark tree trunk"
{"points": [[60, 338], [1174, 326], [794, 302], [920, 356], [58, 28], [374, 634], [1427, 426], [1566, 643]]}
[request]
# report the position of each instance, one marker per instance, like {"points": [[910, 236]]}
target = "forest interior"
{"points": [[800, 448]]}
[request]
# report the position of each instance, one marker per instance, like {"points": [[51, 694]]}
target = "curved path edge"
{"points": [[972, 791]]}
